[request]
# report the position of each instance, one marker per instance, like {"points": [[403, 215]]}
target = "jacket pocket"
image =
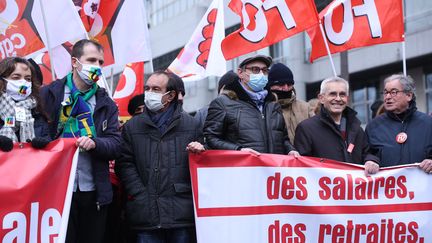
{"points": [[137, 211], [182, 203]]}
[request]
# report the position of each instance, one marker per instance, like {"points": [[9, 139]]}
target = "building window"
{"points": [[428, 88], [362, 99], [276, 52]]}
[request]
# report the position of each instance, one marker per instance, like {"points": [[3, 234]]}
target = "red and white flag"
{"points": [[202, 55], [36, 190], [120, 26], [131, 83], [264, 23], [22, 27], [350, 24]]}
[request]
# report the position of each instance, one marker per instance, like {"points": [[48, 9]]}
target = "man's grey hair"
{"points": [[323, 87], [407, 82]]}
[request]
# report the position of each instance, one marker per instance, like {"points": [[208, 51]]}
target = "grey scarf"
{"points": [[7, 114]]}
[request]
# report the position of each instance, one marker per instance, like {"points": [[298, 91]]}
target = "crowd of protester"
{"points": [[256, 111]]}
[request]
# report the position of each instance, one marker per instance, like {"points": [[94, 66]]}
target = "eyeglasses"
{"points": [[392, 92], [257, 70], [334, 95]]}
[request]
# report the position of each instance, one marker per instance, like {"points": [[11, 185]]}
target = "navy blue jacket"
{"points": [[107, 141], [382, 132]]}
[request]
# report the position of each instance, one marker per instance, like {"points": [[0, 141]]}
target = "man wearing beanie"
{"points": [[281, 83], [246, 119]]}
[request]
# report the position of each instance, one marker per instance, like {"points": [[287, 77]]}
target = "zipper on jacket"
{"points": [[98, 206]]}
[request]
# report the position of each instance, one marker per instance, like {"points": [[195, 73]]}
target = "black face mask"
{"points": [[283, 94]]}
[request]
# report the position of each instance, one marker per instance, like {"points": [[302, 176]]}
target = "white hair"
{"points": [[323, 87]]}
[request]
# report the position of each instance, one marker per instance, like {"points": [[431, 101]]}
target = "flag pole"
{"points": [[328, 49], [404, 57], [112, 80], [48, 41]]}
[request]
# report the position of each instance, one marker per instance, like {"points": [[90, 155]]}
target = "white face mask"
{"points": [[89, 73], [18, 89], [153, 101]]}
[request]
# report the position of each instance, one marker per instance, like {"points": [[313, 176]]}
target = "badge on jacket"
{"points": [[350, 148], [401, 137], [104, 125]]}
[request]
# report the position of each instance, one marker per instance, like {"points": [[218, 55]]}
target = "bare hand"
{"points": [[85, 143], [251, 151], [195, 147], [371, 168], [426, 166], [294, 153]]}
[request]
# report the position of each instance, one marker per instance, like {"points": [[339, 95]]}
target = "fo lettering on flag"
{"points": [[264, 23], [350, 24]]}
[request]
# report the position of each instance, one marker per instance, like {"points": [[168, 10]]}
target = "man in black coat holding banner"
{"points": [[154, 165], [334, 133]]}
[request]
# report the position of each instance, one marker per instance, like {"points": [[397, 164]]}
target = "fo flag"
{"points": [[264, 23], [131, 83], [22, 28], [120, 26], [353, 23], [35, 191], [278, 198], [202, 55]]}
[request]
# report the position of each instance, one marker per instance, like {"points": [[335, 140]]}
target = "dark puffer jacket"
{"points": [[319, 137], [154, 168], [234, 122]]}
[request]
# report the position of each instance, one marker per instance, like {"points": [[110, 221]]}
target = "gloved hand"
{"points": [[39, 142], [6, 144]]}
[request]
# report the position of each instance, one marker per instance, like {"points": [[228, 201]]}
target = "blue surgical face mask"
{"points": [[257, 82]]}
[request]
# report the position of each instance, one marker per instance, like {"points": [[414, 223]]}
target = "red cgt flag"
{"points": [[131, 83], [350, 24], [266, 22]]}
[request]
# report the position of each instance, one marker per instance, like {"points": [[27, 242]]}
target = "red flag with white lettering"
{"points": [[119, 26], [25, 28], [35, 191], [350, 24], [267, 22], [131, 83]]}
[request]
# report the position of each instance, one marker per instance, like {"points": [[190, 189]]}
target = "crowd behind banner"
{"points": [[257, 111]]}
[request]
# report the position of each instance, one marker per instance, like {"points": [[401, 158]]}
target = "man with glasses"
{"points": [[245, 118], [334, 133], [402, 135]]}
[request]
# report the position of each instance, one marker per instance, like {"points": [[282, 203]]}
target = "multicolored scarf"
{"points": [[76, 116]]}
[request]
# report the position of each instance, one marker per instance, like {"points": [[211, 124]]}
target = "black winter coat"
{"points": [[154, 168], [319, 137], [234, 122]]}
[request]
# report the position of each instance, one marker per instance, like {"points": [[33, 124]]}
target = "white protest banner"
{"points": [[240, 197]]}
